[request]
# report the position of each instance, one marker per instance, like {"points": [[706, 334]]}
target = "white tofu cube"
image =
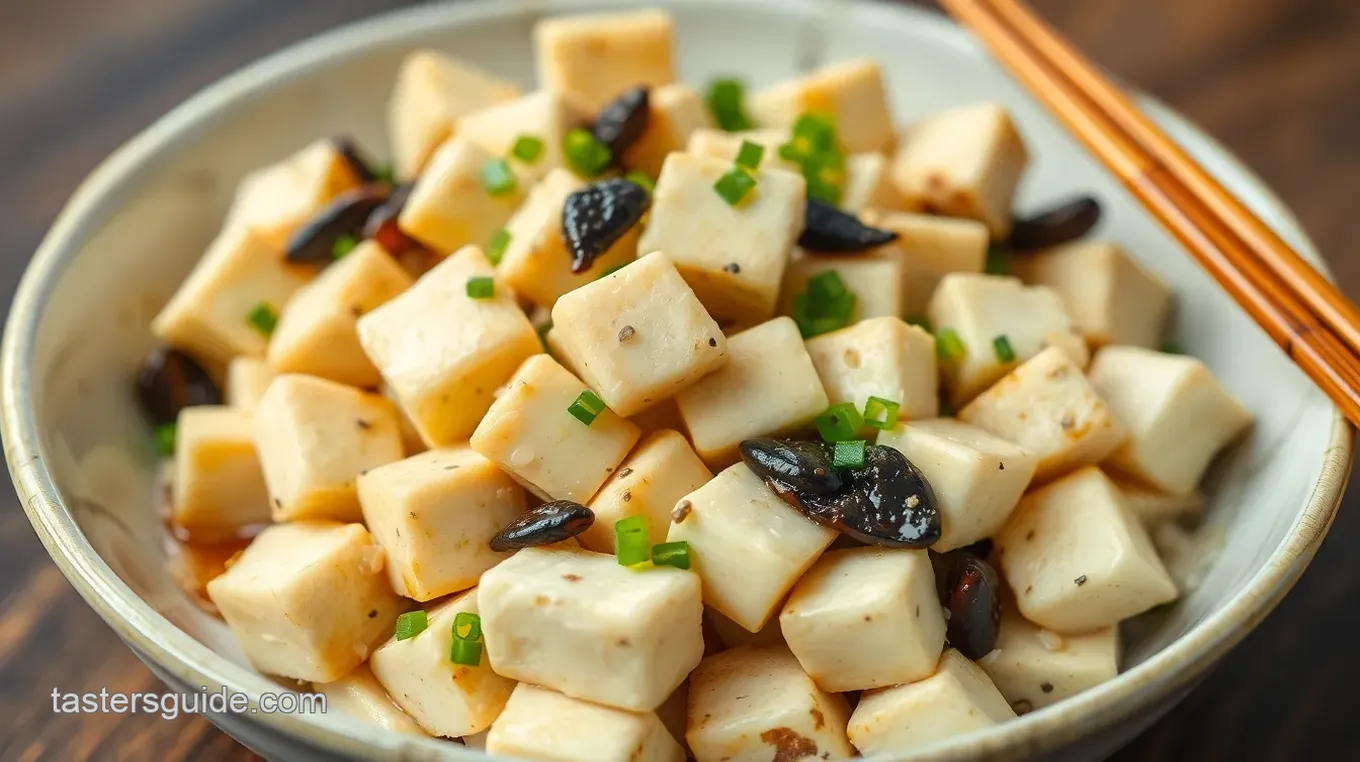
{"points": [[450, 206], [755, 704], [208, 316], [675, 112], [435, 514], [865, 618], [314, 437], [725, 146], [964, 162], [982, 308], [1048, 407], [307, 600], [316, 333], [531, 432], [442, 352], [536, 263], [595, 57], [638, 336], [868, 184], [880, 357], [929, 248], [850, 92], [876, 283], [748, 546], [958, 699], [433, 93], [541, 724], [1112, 299], [443, 697], [661, 471], [247, 378], [544, 114], [768, 386], [278, 199], [361, 696], [1152, 505], [1077, 559], [1178, 415], [732, 256], [1034, 668], [977, 477], [218, 488], [579, 623], [728, 634]]}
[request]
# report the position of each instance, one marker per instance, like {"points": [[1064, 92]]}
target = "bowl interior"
{"points": [[137, 241]]}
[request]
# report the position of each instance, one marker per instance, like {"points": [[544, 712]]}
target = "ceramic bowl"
{"points": [[83, 461]]}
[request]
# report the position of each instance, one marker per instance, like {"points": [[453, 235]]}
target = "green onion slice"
{"points": [[411, 624], [466, 652], [481, 287], [467, 626], [497, 177], [826, 305], [642, 180], [849, 454], [527, 148], [587, 407], [750, 154], [948, 346], [726, 101], [840, 423], [671, 554], [500, 241], [165, 438], [263, 318], [630, 540], [588, 156], [880, 413], [735, 186], [343, 245], [1004, 351]]}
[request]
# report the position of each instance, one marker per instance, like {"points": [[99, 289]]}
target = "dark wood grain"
{"points": [[1276, 80]]}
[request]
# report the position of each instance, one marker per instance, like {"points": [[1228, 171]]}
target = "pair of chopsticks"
{"points": [[1307, 316]]}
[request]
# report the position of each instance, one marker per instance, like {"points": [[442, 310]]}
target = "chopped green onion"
{"points": [[735, 186], [827, 305], [165, 439], [588, 156], [497, 177], [527, 148], [839, 423], [263, 318], [411, 624], [920, 322], [466, 652], [750, 154], [948, 345], [825, 176], [827, 287], [726, 101], [630, 540], [587, 407], [671, 554], [343, 245], [815, 133], [639, 178], [880, 413], [848, 454], [481, 287], [467, 626], [1004, 351], [500, 241], [998, 259]]}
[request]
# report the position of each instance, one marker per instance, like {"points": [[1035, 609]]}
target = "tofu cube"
{"points": [[850, 92], [316, 333], [981, 308], [1077, 559], [1178, 415], [958, 699], [964, 162], [1112, 299], [638, 336], [450, 206], [247, 378], [724, 145], [208, 316], [545, 114], [579, 623], [1033, 667], [1153, 506], [657, 475], [978, 478], [433, 93], [880, 357], [927, 249], [732, 256], [541, 724], [531, 433], [536, 263], [595, 57], [218, 487], [1048, 407], [443, 353], [865, 618], [876, 283], [768, 386], [307, 600], [314, 438], [756, 704], [748, 546], [435, 513], [359, 695], [444, 698], [675, 112], [868, 183], [278, 199]]}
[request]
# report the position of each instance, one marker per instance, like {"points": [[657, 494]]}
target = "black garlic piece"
{"points": [[799, 466], [356, 160], [1060, 224], [315, 241], [622, 121], [382, 227], [546, 524], [828, 229], [888, 503], [597, 216], [973, 597], [169, 381]]}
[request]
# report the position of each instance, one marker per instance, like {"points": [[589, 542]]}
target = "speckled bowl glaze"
{"points": [[83, 462]]}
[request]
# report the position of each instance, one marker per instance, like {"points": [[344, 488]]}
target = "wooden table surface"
{"points": [[1276, 80]]}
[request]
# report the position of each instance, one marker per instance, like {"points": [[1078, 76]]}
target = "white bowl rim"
{"points": [[174, 652]]}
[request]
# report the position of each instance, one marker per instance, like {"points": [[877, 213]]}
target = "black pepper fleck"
{"points": [[682, 511], [627, 496], [626, 333], [1080, 580], [450, 468], [712, 342], [365, 425], [1029, 535], [373, 614], [732, 267], [1001, 466], [1046, 687], [626, 471]]}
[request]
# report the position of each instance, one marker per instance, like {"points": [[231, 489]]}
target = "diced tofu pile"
{"points": [[508, 442]]}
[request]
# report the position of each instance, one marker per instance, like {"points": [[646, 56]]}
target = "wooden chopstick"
{"points": [[1313, 322]]}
